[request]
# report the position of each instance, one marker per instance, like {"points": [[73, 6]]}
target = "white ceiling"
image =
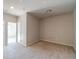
{"points": [[40, 6]]}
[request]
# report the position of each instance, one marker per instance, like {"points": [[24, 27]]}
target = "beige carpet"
{"points": [[40, 50]]}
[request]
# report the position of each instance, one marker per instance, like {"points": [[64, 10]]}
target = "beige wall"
{"points": [[5, 32], [7, 18], [74, 24], [22, 29], [33, 29], [58, 29]]}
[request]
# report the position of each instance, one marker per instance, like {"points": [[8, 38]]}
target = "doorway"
{"points": [[11, 32]]}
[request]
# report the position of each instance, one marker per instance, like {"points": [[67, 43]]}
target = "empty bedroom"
{"points": [[45, 29]]}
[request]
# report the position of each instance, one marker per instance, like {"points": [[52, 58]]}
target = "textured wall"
{"points": [[58, 29], [33, 29], [9, 18]]}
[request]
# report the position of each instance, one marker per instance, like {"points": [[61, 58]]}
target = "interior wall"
{"points": [[22, 29], [74, 24], [33, 29], [58, 29], [5, 32], [7, 18]]}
